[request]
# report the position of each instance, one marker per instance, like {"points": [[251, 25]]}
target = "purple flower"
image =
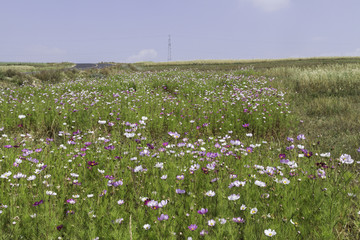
{"points": [[238, 220], [38, 150], [285, 161], [246, 125], [300, 137], [203, 232], [202, 211], [59, 227], [249, 149], [163, 217], [193, 227], [8, 146], [117, 183], [282, 156], [38, 203], [179, 191]]}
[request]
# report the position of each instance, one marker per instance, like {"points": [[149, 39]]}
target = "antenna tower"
{"points": [[169, 49]]}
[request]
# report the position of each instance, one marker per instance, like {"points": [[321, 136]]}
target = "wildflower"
{"points": [[249, 135], [249, 149], [246, 125], [180, 177], [59, 227], [22, 116], [119, 220], [51, 193], [193, 227], [253, 211], [301, 137], [90, 195], [210, 193], [346, 158], [282, 156], [163, 217], [203, 211], [101, 122], [269, 232], [120, 202], [71, 201], [203, 232], [179, 191], [234, 197], [259, 183], [242, 207], [222, 220], [146, 226], [38, 203], [285, 181], [238, 220], [211, 222], [163, 177]]}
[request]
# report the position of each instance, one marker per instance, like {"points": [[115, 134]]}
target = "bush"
{"points": [[50, 76]]}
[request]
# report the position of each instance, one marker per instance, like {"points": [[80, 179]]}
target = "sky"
{"points": [[89, 31]]}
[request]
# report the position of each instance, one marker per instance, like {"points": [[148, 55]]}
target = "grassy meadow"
{"points": [[183, 150]]}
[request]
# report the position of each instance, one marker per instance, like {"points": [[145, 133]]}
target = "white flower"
{"points": [[222, 220], [260, 184], [147, 226], [234, 197], [163, 177], [6, 175], [144, 118], [101, 122], [211, 222], [90, 195], [121, 202], [51, 193], [210, 193], [249, 134], [253, 211], [22, 116], [285, 181], [119, 220], [346, 158], [75, 196], [325, 154], [30, 178], [269, 232], [243, 207]]}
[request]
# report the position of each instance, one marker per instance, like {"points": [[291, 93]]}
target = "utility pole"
{"points": [[169, 49]]}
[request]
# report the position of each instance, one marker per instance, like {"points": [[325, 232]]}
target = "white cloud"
{"points": [[270, 5], [143, 55]]}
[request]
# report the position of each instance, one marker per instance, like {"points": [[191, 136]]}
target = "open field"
{"points": [[194, 150]]}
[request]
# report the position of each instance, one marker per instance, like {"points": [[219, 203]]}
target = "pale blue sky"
{"points": [[137, 30]]}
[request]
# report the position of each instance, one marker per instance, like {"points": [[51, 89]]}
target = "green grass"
{"points": [[135, 123]]}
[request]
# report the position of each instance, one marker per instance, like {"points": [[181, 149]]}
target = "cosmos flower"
{"points": [[253, 211], [163, 217], [238, 220], [193, 227], [179, 191], [346, 158], [211, 222], [260, 184], [234, 197], [269, 232], [210, 193], [202, 211]]}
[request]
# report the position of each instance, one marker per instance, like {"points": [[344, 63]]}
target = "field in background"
{"points": [[201, 149]]}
